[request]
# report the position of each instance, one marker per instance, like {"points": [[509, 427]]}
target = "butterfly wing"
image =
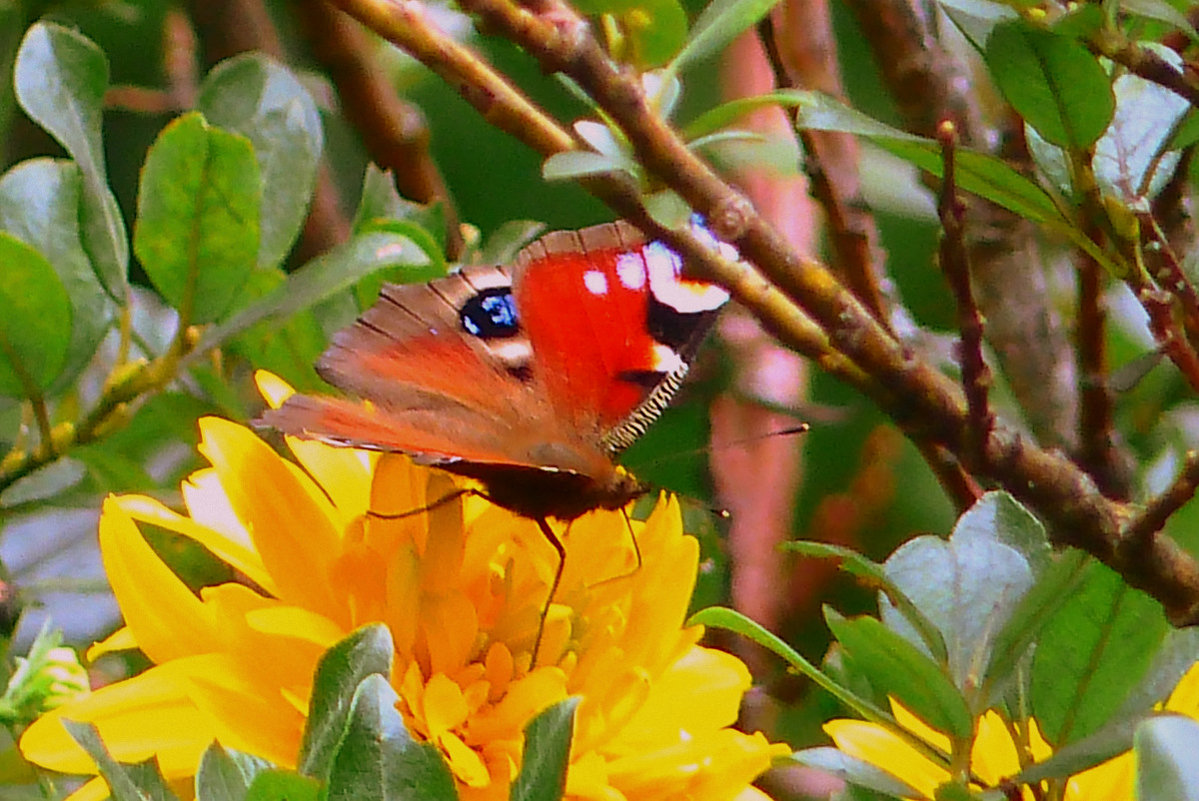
{"points": [[613, 324]]}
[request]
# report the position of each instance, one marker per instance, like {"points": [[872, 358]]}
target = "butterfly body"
{"points": [[529, 378]]}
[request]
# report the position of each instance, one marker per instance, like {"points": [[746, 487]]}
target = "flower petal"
{"points": [[165, 618], [289, 519], [147, 715], [221, 534]]}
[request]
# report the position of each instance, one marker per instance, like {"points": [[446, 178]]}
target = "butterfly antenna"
{"points": [[437, 504], [714, 447], [549, 534]]}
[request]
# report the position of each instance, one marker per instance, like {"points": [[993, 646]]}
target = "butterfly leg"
{"points": [[549, 534]]}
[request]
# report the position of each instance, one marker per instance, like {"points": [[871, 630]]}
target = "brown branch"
{"points": [[1159, 306], [836, 327], [955, 264], [395, 132], [1144, 62], [1157, 512], [1097, 452], [1030, 344], [1169, 275], [850, 229]]}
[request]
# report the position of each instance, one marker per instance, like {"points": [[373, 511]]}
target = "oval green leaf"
{"points": [[35, 329], [252, 95], [60, 78], [1052, 81], [546, 754], [197, 216], [1091, 654], [39, 204]]}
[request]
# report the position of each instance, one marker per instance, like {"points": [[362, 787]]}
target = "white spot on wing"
{"points": [[666, 360], [596, 282], [631, 270], [669, 286]]}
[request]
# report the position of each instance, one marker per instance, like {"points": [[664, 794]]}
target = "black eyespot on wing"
{"points": [[491, 314]]}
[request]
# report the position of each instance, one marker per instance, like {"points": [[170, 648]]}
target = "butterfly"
{"points": [[530, 378]]}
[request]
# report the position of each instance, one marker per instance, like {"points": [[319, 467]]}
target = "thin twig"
{"points": [[1153, 518], [1170, 277], [849, 233], [1097, 453], [1143, 62], [955, 264], [395, 132], [1158, 304]]}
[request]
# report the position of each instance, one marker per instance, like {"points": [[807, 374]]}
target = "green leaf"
{"points": [[1054, 83], [367, 289], [35, 329], [252, 95], [368, 651], [507, 240], [39, 204], [1161, 11], [1166, 766], [734, 621], [977, 173], [282, 785], [226, 775], [197, 216], [377, 759], [60, 79], [977, 18], [571, 164], [855, 771], [855, 564], [1054, 585], [1187, 132], [287, 348], [721, 22], [968, 587], [319, 280], [546, 756], [896, 667], [1093, 651], [140, 782], [381, 202]]}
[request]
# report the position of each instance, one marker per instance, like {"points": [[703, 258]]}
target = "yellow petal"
{"points": [[149, 714], [1185, 697], [274, 390], [246, 707], [165, 618], [699, 693], [92, 790], [221, 533], [872, 743], [288, 517], [445, 708], [467, 766], [119, 640]]}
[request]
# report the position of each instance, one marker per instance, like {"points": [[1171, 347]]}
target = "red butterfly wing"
{"points": [[613, 325]]}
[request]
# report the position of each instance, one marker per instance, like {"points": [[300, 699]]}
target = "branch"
{"points": [[851, 232], [395, 132], [1143, 62], [955, 264], [1097, 452]]}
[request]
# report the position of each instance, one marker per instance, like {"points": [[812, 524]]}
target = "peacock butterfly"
{"points": [[530, 378]]}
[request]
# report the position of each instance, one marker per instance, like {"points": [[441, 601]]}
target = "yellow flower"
{"points": [[460, 585], [995, 755]]}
